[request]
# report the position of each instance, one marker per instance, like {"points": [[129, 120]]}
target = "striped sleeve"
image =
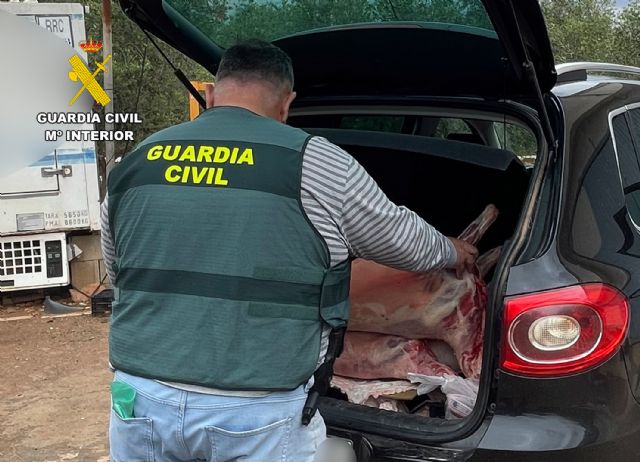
{"points": [[106, 241], [356, 218]]}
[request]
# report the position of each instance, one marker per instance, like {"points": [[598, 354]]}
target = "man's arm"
{"points": [[106, 240], [379, 230], [356, 218]]}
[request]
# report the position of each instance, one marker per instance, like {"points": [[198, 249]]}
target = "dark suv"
{"points": [[449, 116]]}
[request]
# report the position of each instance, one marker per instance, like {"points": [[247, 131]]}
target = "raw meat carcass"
{"points": [[433, 305], [375, 356]]}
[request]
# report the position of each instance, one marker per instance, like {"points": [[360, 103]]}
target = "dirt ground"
{"points": [[54, 388]]}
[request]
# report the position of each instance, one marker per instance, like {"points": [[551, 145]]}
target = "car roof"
{"points": [[590, 73], [600, 89]]}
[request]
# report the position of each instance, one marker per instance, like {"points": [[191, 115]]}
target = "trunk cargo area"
{"points": [[448, 183]]}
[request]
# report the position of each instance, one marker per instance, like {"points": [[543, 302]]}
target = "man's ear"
{"points": [[284, 112], [208, 95]]}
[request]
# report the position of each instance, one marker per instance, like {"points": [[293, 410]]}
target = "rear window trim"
{"points": [[612, 115]]}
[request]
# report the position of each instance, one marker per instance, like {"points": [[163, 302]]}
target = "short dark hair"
{"points": [[256, 60]]}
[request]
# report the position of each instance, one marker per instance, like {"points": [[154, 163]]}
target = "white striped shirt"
{"points": [[353, 216]]}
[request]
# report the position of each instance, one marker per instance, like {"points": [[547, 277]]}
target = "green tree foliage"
{"points": [[627, 37], [590, 30], [229, 21], [467, 12], [581, 30]]}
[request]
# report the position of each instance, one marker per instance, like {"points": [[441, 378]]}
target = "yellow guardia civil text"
{"points": [[182, 157]]}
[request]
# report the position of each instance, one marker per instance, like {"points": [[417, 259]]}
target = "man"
{"points": [[229, 241]]}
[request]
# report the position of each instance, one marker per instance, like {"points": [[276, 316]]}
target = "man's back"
{"points": [[198, 245]]}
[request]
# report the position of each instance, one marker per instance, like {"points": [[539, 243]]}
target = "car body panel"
{"points": [[596, 239], [583, 417]]}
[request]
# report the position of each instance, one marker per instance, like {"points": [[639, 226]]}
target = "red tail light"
{"points": [[563, 331]]}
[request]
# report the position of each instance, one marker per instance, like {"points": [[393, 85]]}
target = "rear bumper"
{"points": [[526, 439], [625, 448]]}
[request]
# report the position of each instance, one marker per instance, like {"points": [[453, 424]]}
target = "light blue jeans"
{"points": [[172, 425]]}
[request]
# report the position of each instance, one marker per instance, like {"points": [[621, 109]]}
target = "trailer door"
{"points": [[42, 177]]}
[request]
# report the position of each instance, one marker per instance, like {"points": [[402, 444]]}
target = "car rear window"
{"points": [[226, 22], [436, 127], [515, 138], [628, 164], [393, 124], [518, 140]]}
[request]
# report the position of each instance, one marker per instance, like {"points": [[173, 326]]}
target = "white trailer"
{"points": [[42, 204]]}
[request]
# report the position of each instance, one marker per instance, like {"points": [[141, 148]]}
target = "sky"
{"points": [[620, 3]]}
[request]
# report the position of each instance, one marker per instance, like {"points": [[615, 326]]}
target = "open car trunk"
{"points": [[448, 183], [484, 52]]}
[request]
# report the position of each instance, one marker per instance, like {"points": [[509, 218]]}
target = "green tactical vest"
{"points": [[221, 280]]}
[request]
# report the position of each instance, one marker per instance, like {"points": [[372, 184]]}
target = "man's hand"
{"points": [[467, 256]]}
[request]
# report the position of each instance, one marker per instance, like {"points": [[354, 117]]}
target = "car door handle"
{"points": [[65, 170]]}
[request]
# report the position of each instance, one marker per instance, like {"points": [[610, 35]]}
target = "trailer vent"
{"points": [[33, 261], [21, 257]]}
